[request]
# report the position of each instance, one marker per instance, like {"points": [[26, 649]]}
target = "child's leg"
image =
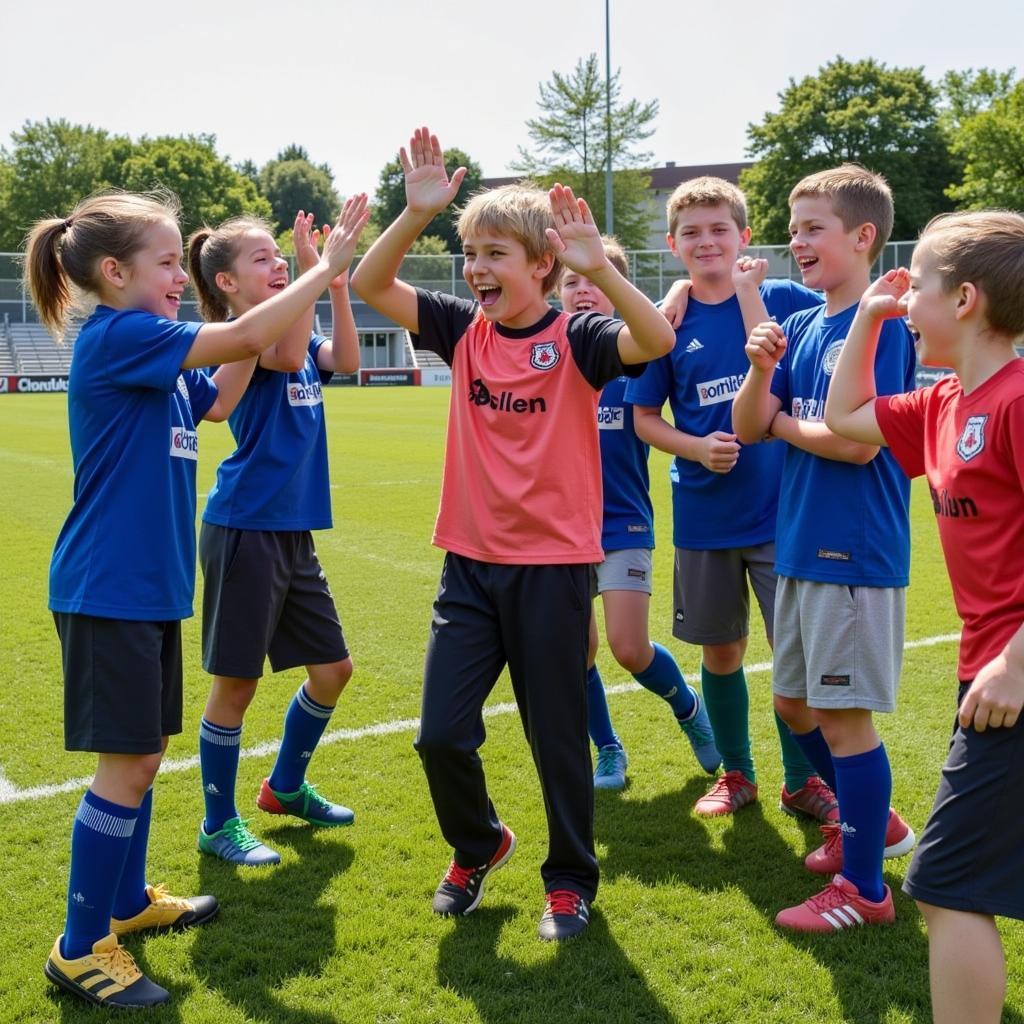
{"points": [[220, 738], [724, 684], [599, 722], [966, 966], [465, 656]]}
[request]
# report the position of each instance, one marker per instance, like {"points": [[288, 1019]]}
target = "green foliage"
{"points": [[991, 144], [389, 199], [209, 188], [295, 184], [966, 93], [50, 167], [884, 118]]}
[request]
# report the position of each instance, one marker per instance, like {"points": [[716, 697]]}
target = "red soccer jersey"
{"points": [[522, 465], [971, 449]]}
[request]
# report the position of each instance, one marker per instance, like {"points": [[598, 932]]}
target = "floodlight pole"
{"points": [[609, 215]]}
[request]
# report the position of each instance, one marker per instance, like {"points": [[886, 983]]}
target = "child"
{"points": [[840, 602], [123, 568], [724, 499], [966, 435], [623, 579], [265, 592], [520, 513]]}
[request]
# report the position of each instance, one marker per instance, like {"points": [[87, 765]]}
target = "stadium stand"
{"points": [[8, 361], [35, 351]]}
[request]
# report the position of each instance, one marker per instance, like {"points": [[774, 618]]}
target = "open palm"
{"points": [[428, 189]]}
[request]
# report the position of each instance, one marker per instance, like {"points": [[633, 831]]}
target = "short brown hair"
{"points": [[214, 251], [64, 251], [616, 257], [706, 191], [521, 211], [858, 196], [986, 248]]}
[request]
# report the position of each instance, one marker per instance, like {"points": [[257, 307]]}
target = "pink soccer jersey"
{"points": [[522, 467]]}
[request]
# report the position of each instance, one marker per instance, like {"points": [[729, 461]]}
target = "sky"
{"points": [[350, 80]]}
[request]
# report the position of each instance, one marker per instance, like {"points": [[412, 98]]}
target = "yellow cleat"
{"points": [[107, 976], [166, 912]]}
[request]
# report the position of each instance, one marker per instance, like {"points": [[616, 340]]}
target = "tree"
{"points": [[966, 93], [389, 199], [295, 184], [991, 144], [51, 166], [884, 118], [209, 188], [571, 144]]}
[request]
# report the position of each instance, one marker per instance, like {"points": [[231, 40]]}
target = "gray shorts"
{"points": [[838, 646], [712, 599], [627, 569]]}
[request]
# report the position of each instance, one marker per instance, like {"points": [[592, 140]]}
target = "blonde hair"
{"points": [[706, 191], [212, 251], [65, 251], [521, 211], [857, 195], [986, 248]]}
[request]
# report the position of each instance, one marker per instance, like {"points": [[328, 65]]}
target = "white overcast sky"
{"points": [[348, 80]]}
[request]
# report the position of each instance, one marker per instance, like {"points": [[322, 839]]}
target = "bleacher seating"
{"points": [[35, 351], [8, 364]]}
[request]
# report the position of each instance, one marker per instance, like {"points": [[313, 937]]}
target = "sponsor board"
{"points": [[24, 384], [436, 378], [345, 380], [388, 378]]}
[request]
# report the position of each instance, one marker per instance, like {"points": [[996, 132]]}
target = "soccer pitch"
{"points": [[342, 929]]}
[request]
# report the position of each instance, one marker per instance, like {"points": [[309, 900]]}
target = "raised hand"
{"points": [[428, 189], [748, 272], [765, 346], [673, 307], [340, 243], [575, 237], [305, 239], [887, 296]]}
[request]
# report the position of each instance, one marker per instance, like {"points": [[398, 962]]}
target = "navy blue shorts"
{"points": [[122, 683], [969, 856], [265, 595]]}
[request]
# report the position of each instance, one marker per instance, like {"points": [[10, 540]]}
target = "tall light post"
{"points": [[609, 215]]}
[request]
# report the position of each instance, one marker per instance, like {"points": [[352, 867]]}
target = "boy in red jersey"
{"points": [[520, 512], [965, 433]]}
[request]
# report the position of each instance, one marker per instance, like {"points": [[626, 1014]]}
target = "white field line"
{"points": [[10, 794]]}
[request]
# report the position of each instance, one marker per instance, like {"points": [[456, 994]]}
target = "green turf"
{"points": [[342, 929]]}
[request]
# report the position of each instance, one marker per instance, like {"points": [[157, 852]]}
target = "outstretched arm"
{"points": [[341, 353], [428, 190], [850, 408], [577, 243], [231, 379]]}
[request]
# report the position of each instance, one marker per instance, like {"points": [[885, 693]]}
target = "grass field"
{"points": [[342, 930]]}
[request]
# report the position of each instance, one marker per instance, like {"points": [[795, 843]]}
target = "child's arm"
{"points": [[717, 451], [748, 275], [577, 243], [259, 327], [289, 353], [996, 696], [231, 379], [814, 436], [341, 353], [428, 190], [850, 407], [673, 306], [754, 406]]}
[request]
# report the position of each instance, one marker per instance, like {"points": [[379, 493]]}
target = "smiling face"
{"points": [[708, 240], [931, 311], [153, 279], [827, 254], [257, 272], [579, 294], [504, 280]]}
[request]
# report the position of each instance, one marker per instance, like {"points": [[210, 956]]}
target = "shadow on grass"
{"points": [[273, 924], [587, 979], [661, 842]]}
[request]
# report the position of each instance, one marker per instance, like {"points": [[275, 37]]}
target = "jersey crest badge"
{"points": [[544, 355], [972, 440], [831, 357]]}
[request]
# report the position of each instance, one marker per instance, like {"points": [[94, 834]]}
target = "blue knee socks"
{"points": [[219, 747], [131, 896], [599, 723], [304, 724], [864, 788], [663, 677], [816, 751]]}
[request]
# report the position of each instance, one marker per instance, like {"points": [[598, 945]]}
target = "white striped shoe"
{"points": [[837, 907]]}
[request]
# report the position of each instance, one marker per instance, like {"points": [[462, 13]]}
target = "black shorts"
{"points": [[122, 683], [265, 595], [969, 856]]}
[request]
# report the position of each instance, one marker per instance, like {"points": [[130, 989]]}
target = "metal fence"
{"points": [[652, 271]]}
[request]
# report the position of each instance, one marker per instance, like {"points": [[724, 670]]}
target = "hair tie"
{"points": [[67, 223]]}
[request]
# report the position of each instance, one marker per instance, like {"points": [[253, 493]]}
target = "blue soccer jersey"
{"points": [[277, 478], [127, 549], [700, 377], [840, 522], [628, 512]]}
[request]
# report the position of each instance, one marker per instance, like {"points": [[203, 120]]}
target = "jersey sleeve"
{"points": [[901, 419], [653, 386], [782, 298], [443, 320], [316, 342], [202, 392], [145, 351], [594, 340]]}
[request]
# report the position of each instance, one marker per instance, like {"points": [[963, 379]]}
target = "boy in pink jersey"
{"points": [[520, 512], [965, 433]]}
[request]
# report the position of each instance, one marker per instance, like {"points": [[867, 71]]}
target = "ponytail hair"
{"points": [[62, 255], [213, 251]]}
